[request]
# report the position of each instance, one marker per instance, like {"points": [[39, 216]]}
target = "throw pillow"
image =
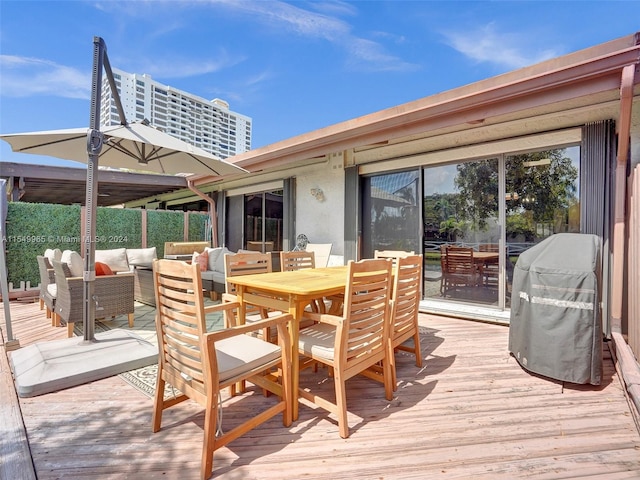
{"points": [[103, 269], [116, 258], [202, 259]]}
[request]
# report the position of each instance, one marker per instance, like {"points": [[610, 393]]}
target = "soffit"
{"points": [[67, 186]]}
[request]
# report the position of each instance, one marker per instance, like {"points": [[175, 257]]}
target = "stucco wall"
{"points": [[322, 219]]}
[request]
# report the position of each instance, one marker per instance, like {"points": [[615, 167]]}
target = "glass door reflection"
{"points": [[462, 232]]}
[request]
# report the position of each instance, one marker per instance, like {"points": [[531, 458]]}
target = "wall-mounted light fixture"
{"points": [[318, 194]]}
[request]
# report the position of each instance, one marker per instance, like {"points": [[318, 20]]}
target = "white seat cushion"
{"points": [[243, 353], [213, 275], [319, 340]]}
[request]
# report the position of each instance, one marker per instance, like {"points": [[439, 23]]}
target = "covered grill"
{"points": [[556, 326]]}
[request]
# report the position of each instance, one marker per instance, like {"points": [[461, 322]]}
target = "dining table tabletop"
{"points": [[290, 292]]}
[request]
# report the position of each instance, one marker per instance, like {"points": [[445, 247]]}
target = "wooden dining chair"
{"points": [[297, 260], [236, 264], [201, 364], [300, 260], [351, 343], [405, 302]]}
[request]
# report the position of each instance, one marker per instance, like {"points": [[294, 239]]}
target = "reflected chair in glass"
{"points": [[200, 365], [459, 268], [490, 269], [358, 339]]}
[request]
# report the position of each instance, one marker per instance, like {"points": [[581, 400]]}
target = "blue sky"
{"points": [[292, 67]]}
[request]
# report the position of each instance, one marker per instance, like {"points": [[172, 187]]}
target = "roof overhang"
{"points": [[586, 77], [67, 185]]}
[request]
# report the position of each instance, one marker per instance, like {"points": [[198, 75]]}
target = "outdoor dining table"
{"points": [[289, 292]]}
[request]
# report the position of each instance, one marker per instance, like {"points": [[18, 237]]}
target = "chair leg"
{"points": [[417, 349], [69, 329], [158, 400], [42, 305], [341, 404], [389, 384], [209, 442], [391, 360], [130, 315]]}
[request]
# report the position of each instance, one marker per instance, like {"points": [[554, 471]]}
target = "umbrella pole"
{"points": [[94, 145]]}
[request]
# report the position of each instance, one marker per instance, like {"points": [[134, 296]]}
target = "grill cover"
{"points": [[555, 326]]}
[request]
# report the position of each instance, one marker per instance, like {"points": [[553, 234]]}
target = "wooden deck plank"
{"points": [[470, 412]]}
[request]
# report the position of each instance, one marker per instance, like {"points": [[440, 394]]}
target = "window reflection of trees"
{"points": [[541, 198]]}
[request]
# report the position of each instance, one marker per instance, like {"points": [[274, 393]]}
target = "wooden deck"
{"points": [[471, 413]]}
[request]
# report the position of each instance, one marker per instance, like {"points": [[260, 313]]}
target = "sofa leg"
{"points": [[130, 315], [69, 329]]}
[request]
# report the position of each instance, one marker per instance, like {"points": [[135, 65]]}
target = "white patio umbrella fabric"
{"points": [[135, 146]]}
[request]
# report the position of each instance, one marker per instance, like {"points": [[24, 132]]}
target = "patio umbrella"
{"points": [[136, 146]]}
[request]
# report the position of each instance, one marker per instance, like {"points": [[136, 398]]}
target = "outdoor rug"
{"points": [[144, 379]]}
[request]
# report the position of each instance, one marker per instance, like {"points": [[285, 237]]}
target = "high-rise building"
{"points": [[208, 124]]}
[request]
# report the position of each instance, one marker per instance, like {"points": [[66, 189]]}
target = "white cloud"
{"points": [[486, 45], [362, 53], [24, 77], [180, 67]]}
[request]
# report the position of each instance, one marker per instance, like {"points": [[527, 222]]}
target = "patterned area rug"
{"points": [[144, 379]]}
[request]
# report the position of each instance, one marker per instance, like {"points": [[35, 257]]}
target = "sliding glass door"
{"points": [[477, 217], [462, 232]]}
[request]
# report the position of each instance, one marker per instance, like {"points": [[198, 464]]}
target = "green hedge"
{"points": [[33, 227]]}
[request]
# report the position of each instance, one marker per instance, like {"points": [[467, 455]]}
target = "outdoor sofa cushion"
{"points": [[116, 258], [141, 257], [74, 262]]}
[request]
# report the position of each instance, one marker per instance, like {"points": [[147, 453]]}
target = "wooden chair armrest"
{"points": [[280, 321], [221, 306]]}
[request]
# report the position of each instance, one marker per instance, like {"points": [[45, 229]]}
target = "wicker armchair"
{"points": [[113, 296], [47, 287]]}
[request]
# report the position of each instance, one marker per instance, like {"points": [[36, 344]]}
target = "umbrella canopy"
{"points": [[134, 146]]}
